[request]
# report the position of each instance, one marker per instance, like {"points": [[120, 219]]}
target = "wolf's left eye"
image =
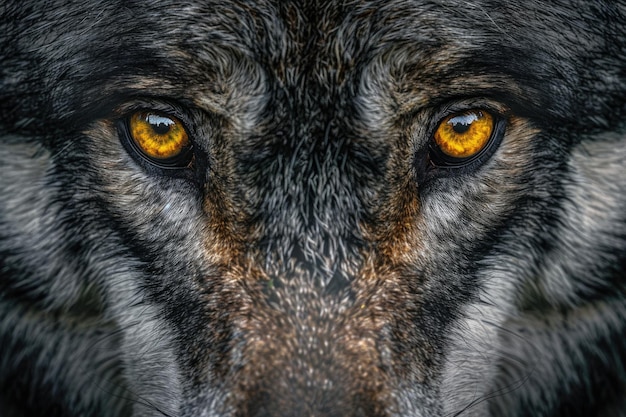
{"points": [[160, 139], [462, 137]]}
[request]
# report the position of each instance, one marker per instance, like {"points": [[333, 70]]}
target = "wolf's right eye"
{"points": [[464, 135], [465, 138], [159, 139]]}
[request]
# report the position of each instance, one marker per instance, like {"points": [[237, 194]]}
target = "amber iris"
{"points": [[463, 135], [158, 136]]}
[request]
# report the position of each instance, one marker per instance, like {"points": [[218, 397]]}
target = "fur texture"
{"points": [[314, 258]]}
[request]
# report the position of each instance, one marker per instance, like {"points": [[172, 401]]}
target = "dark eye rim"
{"points": [[178, 162], [440, 160]]}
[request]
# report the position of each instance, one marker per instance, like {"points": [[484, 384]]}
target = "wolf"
{"points": [[313, 208]]}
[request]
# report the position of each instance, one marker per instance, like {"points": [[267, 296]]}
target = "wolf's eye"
{"points": [[160, 139], [463, 136]]}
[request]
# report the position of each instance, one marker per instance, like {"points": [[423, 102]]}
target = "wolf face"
{"points": [[273, 208]]}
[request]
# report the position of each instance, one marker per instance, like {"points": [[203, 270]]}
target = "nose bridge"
{"points": [[311, 349], [310, 352], [311, 212], [310, 346]]}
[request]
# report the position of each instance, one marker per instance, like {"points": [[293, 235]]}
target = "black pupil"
{"points": [[460, 127], [161, 128], [160, 125], [461, 124]]}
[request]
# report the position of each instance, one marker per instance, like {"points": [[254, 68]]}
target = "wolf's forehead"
{"points": [[291, 39], [230, 56]]}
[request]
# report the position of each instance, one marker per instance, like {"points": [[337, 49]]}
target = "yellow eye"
{"points": [[158, 136], [463, 135]]}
